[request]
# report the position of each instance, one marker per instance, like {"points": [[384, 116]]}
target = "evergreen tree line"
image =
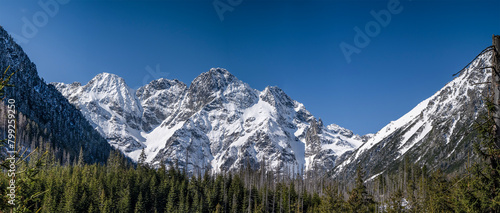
{"points": [[45, 185], [119, 186], [47, 182]]}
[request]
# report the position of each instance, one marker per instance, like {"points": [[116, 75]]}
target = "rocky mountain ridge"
{"points": [[218, 123], [438, 132]]}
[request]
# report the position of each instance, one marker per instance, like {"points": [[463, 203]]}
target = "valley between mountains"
{"points": [[218, 145], [220, 123]]}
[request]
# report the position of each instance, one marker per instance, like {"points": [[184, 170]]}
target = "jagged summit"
{"points": [[276, 97], [220, 122], [106, 76], [219, 70], [338, 129], [216, 79], [161, 84], [103, 82]]}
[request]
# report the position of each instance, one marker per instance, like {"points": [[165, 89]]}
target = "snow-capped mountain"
{"points": [[221, 123], [111, 106], [438, 132], [218, 123]]}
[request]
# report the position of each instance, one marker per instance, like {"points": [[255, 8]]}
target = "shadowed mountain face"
{"points": [[44, 117], [438, 132], [218, 123]]}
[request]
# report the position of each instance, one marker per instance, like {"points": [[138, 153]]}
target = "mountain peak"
{"points": [[161, 84], [103, 82], [219, 70], [208, 83], [276, 97], [340, 130], [215, 78], [216, 118], [106, 77]]}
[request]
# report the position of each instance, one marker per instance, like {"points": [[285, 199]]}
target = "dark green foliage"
{"points": [[142, 159], [479, 191], [120, 187], [50, 185], [359, 199], [331, 201]]}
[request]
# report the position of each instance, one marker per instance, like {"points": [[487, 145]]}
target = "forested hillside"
{"points": [[120, 187], [44, 117]]}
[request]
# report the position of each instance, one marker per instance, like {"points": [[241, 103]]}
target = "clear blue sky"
{"points": [[290, 44]]}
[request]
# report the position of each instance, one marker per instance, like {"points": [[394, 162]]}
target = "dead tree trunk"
{"points": [[495, 78], [495, 83]]}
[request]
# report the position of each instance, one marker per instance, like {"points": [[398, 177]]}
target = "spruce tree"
{"points": [[173, 198], [359, 199], [139, 205], [124, 200], [482, 189], [331, 202], [142, 158]]}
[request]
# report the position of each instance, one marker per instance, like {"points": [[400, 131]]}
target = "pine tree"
{"points": [[142, 158], [70, 198], [331, 202], [359, 199], [124, 200], [49, 204], [173, 198], [218, 208], [440, 196], [139, 205], [482, 188]]}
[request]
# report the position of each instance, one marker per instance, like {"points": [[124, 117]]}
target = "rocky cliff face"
{"points": [[438, 132], [218, 123]]}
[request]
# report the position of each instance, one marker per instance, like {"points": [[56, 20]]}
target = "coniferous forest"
{"points": [[44, 185], [46, 182]]}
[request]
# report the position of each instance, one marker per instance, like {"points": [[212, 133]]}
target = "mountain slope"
{"points": [[44, 117], [437, 132], [218, 123]]}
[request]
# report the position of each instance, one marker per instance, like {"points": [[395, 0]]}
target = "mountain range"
{"points": [[220, 123], [217, 122]]}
